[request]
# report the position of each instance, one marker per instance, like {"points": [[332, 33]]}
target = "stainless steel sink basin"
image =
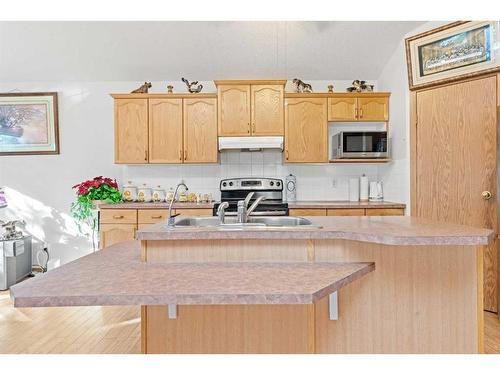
{"points": [[260, 222]]}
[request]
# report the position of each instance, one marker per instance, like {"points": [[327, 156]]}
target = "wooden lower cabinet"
{"points": [[385, 212], [111, 234], [152, 216], [346, 212], [307, 212]]}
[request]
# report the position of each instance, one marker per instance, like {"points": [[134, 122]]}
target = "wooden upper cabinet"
{"points": [[358, 107], [234, 110], [200, 131], [342, 109], [131, 131], [165, 131], [306, 130], [267, 110], [373, 109]]}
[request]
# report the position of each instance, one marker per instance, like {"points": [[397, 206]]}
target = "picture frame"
{"points": [[456, 51], [29, 123]]}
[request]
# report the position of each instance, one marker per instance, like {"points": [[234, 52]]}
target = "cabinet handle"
{"points": [[180, 155], [146, 155], [248, 128], [253, 127], [185, 155], [118, 216], [286, 154], [156, 217], [361, 113], [356, 112]]}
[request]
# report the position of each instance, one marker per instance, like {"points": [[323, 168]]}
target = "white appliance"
{"points": [[376, 191], [250, 143], [363, 188]]}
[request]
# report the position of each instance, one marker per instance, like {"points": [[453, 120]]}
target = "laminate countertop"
{"points": [[388, 230], [116, 276], [296, 204]]}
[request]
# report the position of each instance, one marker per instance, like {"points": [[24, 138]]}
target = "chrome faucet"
{"points": [[221, 211], [171, 218], [244, 211]]}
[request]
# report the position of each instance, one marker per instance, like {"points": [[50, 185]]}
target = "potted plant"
{"points": [[90, 194]]}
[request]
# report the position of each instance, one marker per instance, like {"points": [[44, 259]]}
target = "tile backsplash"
{"points": [[314, 181]]}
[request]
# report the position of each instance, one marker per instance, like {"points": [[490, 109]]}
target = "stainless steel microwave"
{"points": [[360, 145]]}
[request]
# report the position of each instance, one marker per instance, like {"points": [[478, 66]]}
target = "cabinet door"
{"points": [[131, 131], [234, 110], [342, 109], [267, 110], [373, 109], [165, 130], [111, 234], [200, 131], [306, 130]]}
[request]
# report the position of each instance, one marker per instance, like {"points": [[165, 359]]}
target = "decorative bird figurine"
{"points": [[192, 86]]}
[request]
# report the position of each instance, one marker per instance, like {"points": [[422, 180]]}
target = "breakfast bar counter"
{"points": [[339, 285]]}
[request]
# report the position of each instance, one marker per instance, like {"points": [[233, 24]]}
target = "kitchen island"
{"points": [[346, 285]]}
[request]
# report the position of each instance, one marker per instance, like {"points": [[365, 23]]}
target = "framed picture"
{"points": [[29, 124], [452, 52]]}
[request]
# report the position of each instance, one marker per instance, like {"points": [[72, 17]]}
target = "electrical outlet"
{"points": [[334, 183]]}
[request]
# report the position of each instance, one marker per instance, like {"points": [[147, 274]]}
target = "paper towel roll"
{"points": [[363, 188], [354, 189]]}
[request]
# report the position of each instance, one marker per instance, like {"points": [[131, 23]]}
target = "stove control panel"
{"points": [[253, 184]]}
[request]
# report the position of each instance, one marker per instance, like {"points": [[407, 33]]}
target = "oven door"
{"points": [[364, 145]]}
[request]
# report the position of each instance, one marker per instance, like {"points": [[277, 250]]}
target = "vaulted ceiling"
{"points": [[138, 51]]}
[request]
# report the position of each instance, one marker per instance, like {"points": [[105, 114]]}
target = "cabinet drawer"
{"points": [[194, 211], [118, 216], [385, 211], [308, 212], [151, 216], [346, 212]]}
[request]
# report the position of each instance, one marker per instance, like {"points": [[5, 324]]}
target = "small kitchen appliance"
{"points": [[360, 145], [376, 191], [291, 188], [15, 254], [236, 189]]}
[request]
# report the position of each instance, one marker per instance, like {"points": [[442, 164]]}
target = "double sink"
{"points": [[253, 222]]}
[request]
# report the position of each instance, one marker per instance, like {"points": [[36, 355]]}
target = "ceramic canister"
{"points": [[129, 192], [144, 194], [158, 194]]}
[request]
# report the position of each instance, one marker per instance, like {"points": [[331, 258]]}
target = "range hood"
{"points": [[250, 143]]}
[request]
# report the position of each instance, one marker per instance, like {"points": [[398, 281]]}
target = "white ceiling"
{"points": [[154, 51]]}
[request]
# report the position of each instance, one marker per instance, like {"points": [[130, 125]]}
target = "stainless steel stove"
{"points": [[236, 189]]}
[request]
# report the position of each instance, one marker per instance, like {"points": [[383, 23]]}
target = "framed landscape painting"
{"points": [[452, 52], [29, 124]]}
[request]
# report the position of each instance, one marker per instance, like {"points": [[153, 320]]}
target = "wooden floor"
{"points": [[103, 329]]}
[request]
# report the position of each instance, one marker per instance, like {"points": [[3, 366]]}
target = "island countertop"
{"points": [[116, 276], [388, 230]]}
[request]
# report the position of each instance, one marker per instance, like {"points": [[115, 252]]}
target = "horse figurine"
{"points": [[301, 86]]}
